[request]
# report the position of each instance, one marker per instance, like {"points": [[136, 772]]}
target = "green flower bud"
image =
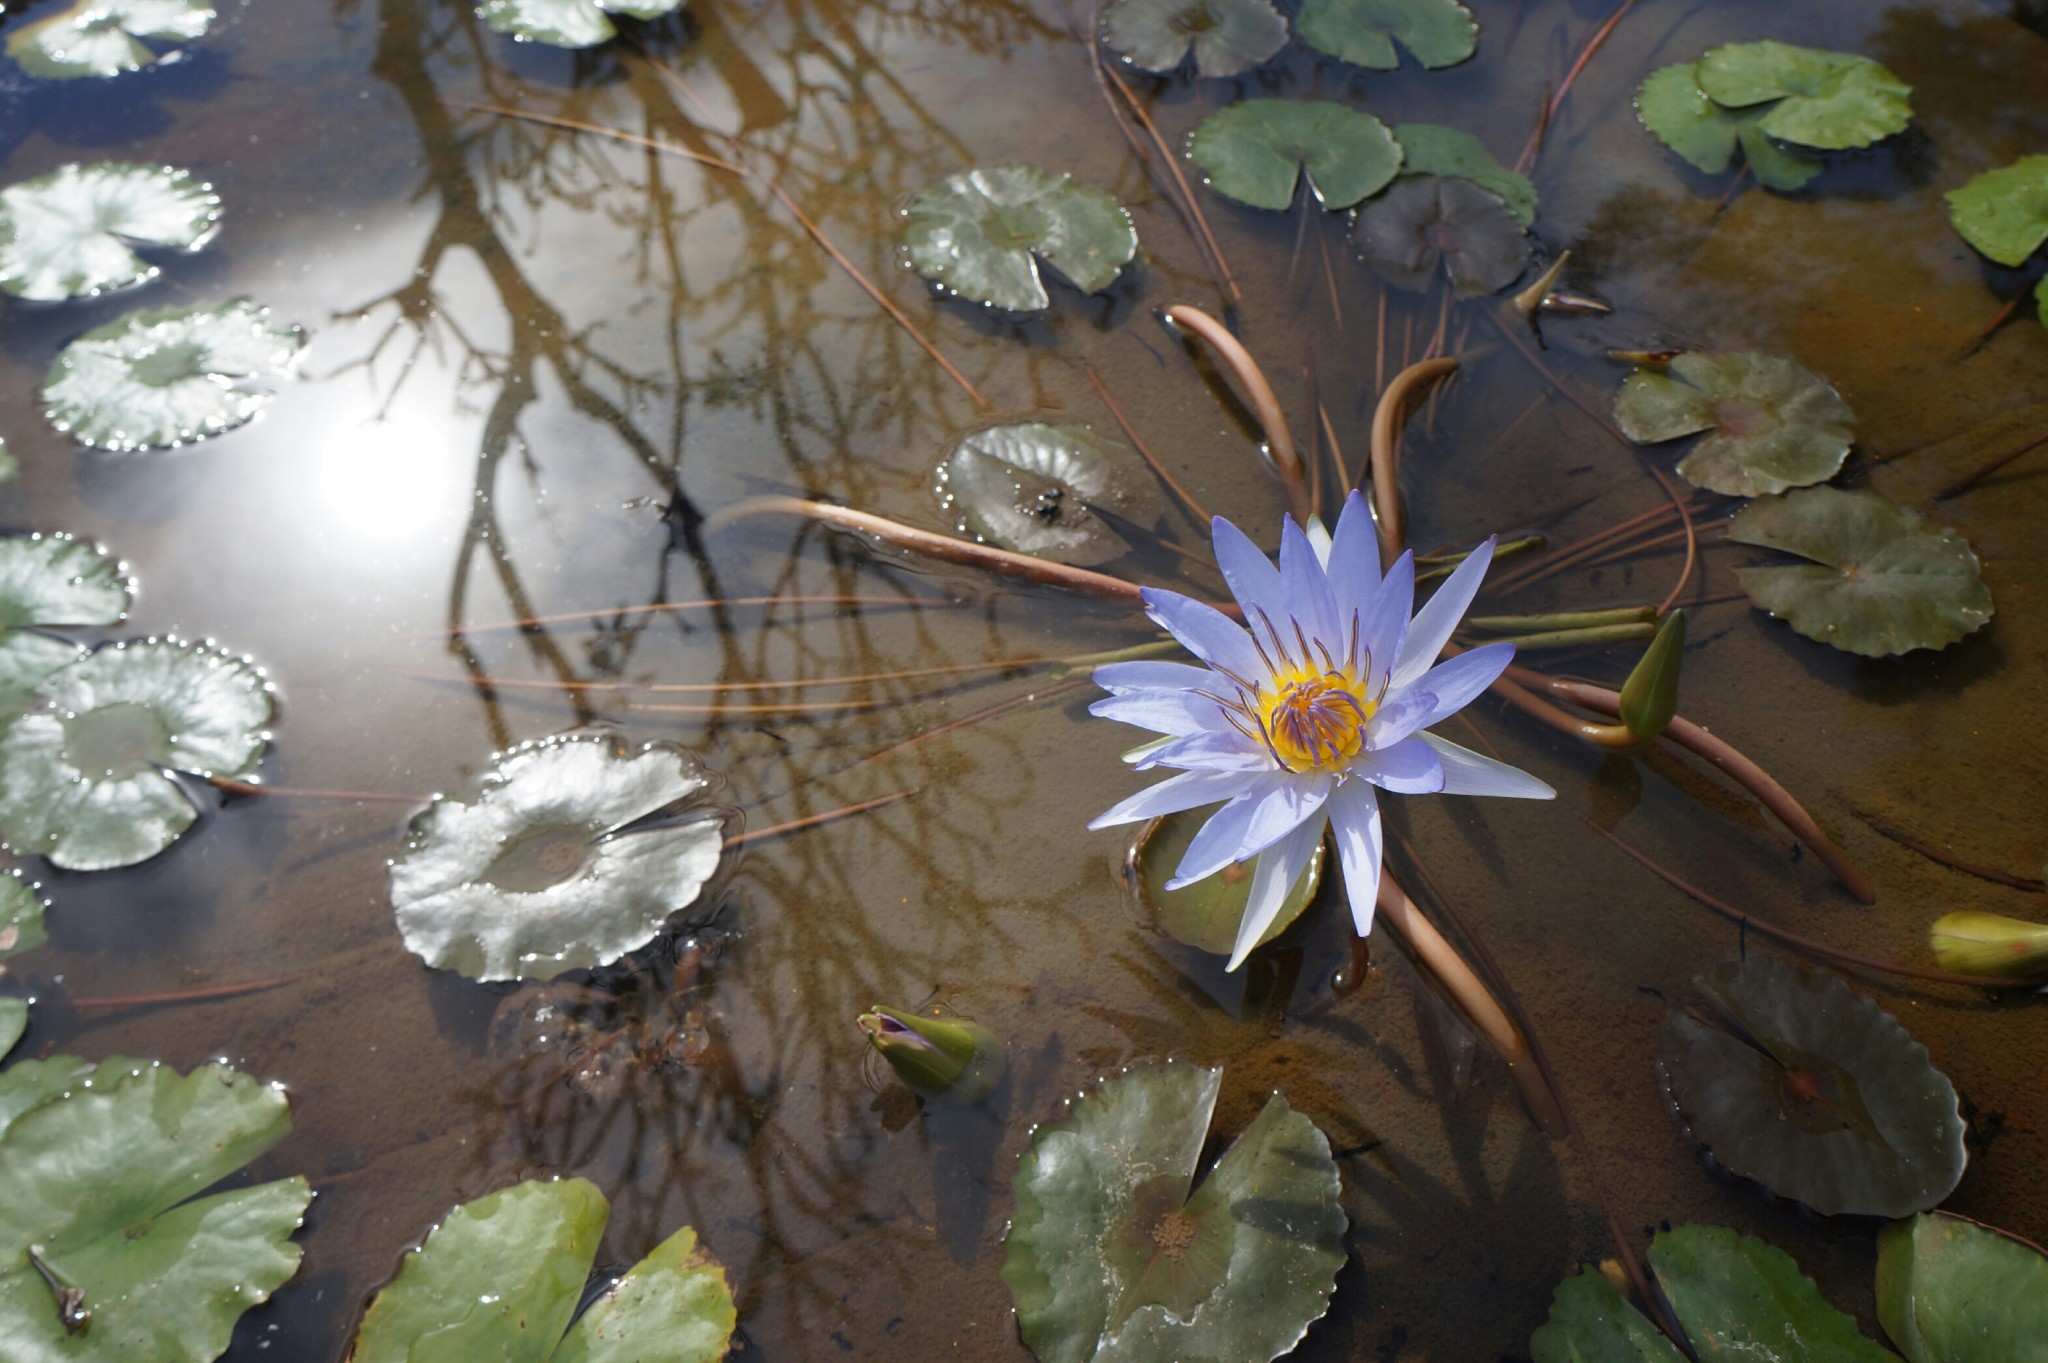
{"points": [[1989, 944], [948, 1058]]}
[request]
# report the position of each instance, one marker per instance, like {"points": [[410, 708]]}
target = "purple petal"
{"points": [[1216, 843], [1215, 749], [1188, 790], [1467, 773], [1278, 867], [1163, 712], [1354, 563], [1268, 816], [1410, 767], [1308, 594], [1153, 676], [1456, 682], [1385, 625], [1399, 717], [1207, 633], [1435, 621], [1251, 576], [1355, 819]]}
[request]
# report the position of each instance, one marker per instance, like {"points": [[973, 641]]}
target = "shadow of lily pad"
{"points": [[1684, 118], [1829, 100], [1424, 223], [1363, 32], [1110, 1258], [568, 23], [1206, 914], [1814, 1092], [2004, 212], [1255, 151], [974, 234], [105, 37], [1882, 581], [1775, 424], [1035, 488], [1432, 149], [1741, 1300], [67, 234], [1227, 37], [1952, 1291]]}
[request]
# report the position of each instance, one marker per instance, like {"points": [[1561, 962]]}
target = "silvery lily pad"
{"points": [[166, 376], [1775, 424], [1255, 151], [1432, 149], [1829, 100], [1743, 1301], [1034, 488], [105, 37], [1227, 36], [96, 1164], [67, 234], [1813, 1091], [1110, 1258], [1680, 114], [1427, 223], [974, 234], [568, 23], [568, 852], [47, 582], [1363, 32], [1882, 580], [85, 774], [1952, 1291], [1206, 914]]}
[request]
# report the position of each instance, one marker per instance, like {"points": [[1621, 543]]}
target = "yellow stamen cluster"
{"points": [[1316, 720]]}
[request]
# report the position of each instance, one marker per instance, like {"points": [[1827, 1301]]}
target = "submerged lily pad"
{"points": [[500, 1277], [1830, 100], [2004, 212], [105, 37], [974, 234], [1206, 914], [1775, 424], [95, 1162], [568, 23], [1109, 1258], [1432, 149], [1882, 581], [1035, 488], [1227, 36], [1254, 152], [1814, 1092], [1952, 1291], [1743, 1301], [1683, 117], [1427, 222], [85, 774], [166, 376], [568, 852], [67, 234], [46, 582], [1363, 32]]}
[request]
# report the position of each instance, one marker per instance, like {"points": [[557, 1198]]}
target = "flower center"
{"points": [[1317, 721]]}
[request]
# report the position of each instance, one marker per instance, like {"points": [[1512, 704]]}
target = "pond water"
{"points": [[538, 359]]}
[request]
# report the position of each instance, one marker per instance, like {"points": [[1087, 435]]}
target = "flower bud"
{"points": [[1989, 944], [939, 1057]]}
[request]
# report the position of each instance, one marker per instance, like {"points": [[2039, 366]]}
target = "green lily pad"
{"points": [[1971, 943], [1109, 1258], [1432, 149], [1775, 424], [500, 1277], [1206, 914], [105, 37], [568, 852], [1590, 1322], [1814, 1092], [48, 582], [974, 234], [1034, 488], [568, 23], [10, 467], [1363, 32], [1743, 1301], [1255, 151], [167, 376], [1427, 223], [21, 914], [95, 1162], [2004, 212], [1671, 105], [85, 773], [1227, 36], [67, 234], [1881, 582], [13, 1022], [1830, 100], [1952, 1291]]}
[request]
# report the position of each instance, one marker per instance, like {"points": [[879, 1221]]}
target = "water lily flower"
{"points": [[1321, 695]]}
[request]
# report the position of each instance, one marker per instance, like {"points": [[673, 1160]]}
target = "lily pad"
{"points": [[105, 37], [1814, 1092], [1206, 914], [1591, 1322], [500, 1277], [1035, 488], [974, 234], [2004, 212], [85, 774], [1432, 149], [67, 234], [10, 467], [568, 852], [568, 23], [47, 582], [1363, 32], [1255, 151], [1743, 1301], [1228, 37], [1683, 117], [1882, 581], [1830, 100], [1109, 1258], [1775, 424], [166, 376], [97, 1161], [1952, 1291], [21, 914], [1429, 222], [13, 1022]]}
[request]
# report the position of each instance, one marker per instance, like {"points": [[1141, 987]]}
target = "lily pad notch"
{"points": [[1774, 423], [1038, 489], [1225, 37], [106, 37], [568, 23], [975, 234], [71, 233], [1256, 151]]}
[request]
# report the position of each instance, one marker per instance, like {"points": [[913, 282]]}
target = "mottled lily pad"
{"points": [[85, 774], [105, 37], [1206, 914], [167, 376], [1743, 1301], [51, 582], [1775, 424], [1814, 1092], [1035, 488], [1109, 1258], [1882, 580], [2004, 212], [1363, 32], [1972, 943], [1427, 223], [1952, 1291], [1829, 100], [96, 1164], [499, 1278], [1432, 149], [67, 234], [1591, 1322], [1227, 37], [974, 234], [568, 852], [568, 23], [1680, 114], [1256, 150]]}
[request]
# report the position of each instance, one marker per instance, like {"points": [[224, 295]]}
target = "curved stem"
{"points": [[1264, 404], [1387, 421]]}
